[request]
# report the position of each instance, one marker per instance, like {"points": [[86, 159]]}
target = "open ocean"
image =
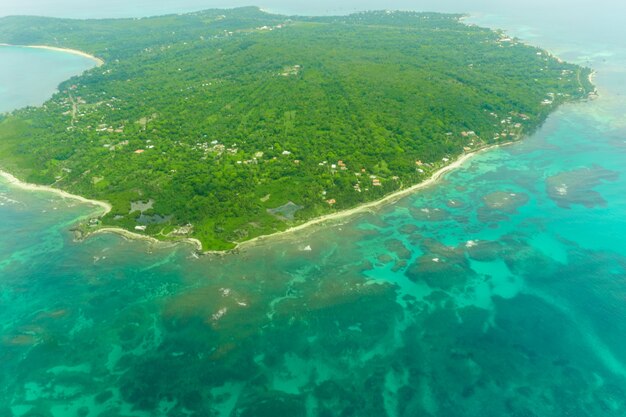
{"points": [[500, 291]]}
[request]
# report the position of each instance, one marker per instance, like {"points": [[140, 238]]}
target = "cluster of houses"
{"points": [[183, 230], [291, 71], [421, 164], [103, 127], [510, 125], [520, 115], [505, 40], [215, 147], [117, 145], [340, 165], [548, 101], [270, 28], [75, 111]]}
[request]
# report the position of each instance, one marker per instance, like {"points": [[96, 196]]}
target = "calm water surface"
{"points": [[499, 292], [28, 76]]}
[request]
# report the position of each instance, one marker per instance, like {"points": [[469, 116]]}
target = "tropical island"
{"points": [[226, 125]]}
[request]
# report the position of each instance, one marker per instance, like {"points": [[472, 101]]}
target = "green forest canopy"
{"points": [[230, 124]]}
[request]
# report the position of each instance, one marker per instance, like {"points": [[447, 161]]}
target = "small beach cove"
{"points": [[31, 74], [99, 62]]}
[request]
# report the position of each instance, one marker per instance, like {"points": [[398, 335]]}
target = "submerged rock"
{"points": [[408, 229], [271, 404], [506, 201], [439, 272], [429, 214], [454, 203], [576, 187], [384, 258], [397, 247], [485, 251]]}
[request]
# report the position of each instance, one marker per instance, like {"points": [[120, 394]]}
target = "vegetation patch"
{"points": [[218, 116]]}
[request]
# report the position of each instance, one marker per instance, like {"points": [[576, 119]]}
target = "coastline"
{"points": [[127, 234], [436, 176], [592, 76], [12, 180], [106, 208], [99, 62], [343, 214]]}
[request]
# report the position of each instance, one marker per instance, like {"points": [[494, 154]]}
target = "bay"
{"points": [[30, 76], [499, 291]]}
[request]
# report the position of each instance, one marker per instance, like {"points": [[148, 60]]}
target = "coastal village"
{"points": [[244, 161], [113, 139]]}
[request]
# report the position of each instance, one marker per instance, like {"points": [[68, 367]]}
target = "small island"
{"points": [[221, 126]]}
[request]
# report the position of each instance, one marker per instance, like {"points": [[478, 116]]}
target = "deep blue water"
{"points": [[501, 291]]}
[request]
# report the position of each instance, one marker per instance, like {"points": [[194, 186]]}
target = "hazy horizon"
{"points": [[600, 19], [579, 9]]}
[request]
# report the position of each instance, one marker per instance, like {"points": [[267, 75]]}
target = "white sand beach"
{"points": [[137, 236], [374, 204], [99, 62], [106, 207]]}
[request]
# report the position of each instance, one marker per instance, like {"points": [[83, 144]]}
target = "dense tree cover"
{"points": [[220, 115]]}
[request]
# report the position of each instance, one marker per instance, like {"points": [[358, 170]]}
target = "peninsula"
{"points": [[221, 126]]}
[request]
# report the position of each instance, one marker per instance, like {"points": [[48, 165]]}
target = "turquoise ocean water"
{"points": [[501, 291]]}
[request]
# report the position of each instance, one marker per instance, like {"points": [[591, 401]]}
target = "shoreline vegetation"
{"points": [[14, 181], [343, 214], [106, 208], [99, 62], [388, 199], [453, 141]]}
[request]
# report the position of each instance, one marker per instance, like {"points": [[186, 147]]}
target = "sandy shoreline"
{"points": [[136, 236], [239, 245], [106, 207], [592, 77], [99, 62], [436, 176]]}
